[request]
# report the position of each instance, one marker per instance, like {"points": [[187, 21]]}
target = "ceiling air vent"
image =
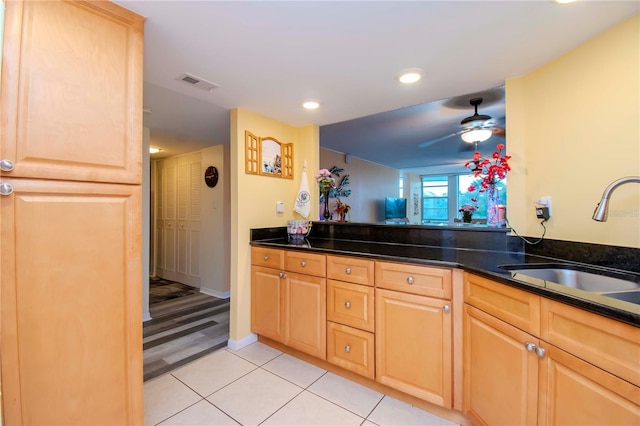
{"points": [[197, 82]]}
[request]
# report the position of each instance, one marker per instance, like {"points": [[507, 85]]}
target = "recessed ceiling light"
{"points": [[154, 150], [410, 75], [564, 1], [311, 105]]}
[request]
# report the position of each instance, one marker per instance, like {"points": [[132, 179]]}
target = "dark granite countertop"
{"points": [[481, 262]]}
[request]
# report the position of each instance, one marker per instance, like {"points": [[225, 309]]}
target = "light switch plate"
{"points": [[279, 206]]}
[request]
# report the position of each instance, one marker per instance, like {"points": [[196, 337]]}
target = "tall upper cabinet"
{"points": [[70, 218]]}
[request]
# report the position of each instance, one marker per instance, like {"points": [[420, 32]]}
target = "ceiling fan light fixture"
{"points": [[154, 150], [476, 135], [410, 75]]}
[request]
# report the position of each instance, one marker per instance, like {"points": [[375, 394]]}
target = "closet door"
{"points": [[169, 219], [188, 220]]}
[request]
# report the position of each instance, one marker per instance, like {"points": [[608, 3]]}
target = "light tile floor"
{"points": [[260, 385]]}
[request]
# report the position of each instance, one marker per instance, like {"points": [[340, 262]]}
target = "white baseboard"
{"points": [[236, 345], [216, 293], [146, 316]]}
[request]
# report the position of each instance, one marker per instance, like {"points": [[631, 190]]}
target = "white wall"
{"points": [[215, 226], [370, 184], [146, 222]]}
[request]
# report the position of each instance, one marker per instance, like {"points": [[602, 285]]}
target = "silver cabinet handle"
{"points": [[540, 351], [266, 258], [409, 280], [6, 165], [282, 275], [347, 305], [530, 347], [6, 189], [303, 263], [446, 309], [347, 349], [347, 270]]}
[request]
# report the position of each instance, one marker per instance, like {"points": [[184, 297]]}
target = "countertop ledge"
{"points": [[481, 262]]}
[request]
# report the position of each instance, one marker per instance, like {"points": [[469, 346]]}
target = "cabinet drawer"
{"points": [[350, 304], [611, 345], [305, 263], [516, 307], [267, 257], [350, 269], [422, 280], [351, 349]]}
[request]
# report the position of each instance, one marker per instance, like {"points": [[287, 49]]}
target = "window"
{"points": [[435, 196], [438, 207]]}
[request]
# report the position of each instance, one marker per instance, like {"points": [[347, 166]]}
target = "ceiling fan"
{"points": [[475, 128]]}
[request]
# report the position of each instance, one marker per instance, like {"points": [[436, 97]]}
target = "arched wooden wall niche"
{"points": [[268, 157]]}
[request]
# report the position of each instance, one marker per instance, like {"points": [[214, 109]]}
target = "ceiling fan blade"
{"points": [[436, 140]]}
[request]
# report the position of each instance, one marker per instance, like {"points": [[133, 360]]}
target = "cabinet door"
{"points": [[71, 303], [306, 314], [500, 374], [72, 91], [413, 345], [267, 298], [574, 392]]}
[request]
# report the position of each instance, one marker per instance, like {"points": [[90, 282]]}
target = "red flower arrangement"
{"points": [[489, 172]]}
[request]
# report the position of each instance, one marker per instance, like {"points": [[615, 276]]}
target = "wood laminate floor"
{"points": [[182, 330]]}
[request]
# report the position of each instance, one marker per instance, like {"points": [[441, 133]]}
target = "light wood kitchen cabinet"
{"points": [[70, 253], [289, 307], [413, 345], [72, 91], [514, 377], [609, 344], [267, 302], [350, 314], [500, 373], [306, 317], [351, 349], [574, 392]]}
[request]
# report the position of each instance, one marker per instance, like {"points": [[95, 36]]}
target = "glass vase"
{"points": [[494, 205], [466, 217], [326, 214]]}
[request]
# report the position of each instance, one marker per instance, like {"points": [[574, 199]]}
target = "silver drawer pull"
{"points": [[6, 165], [530, 347], [540, 351], [266, 257], [6, 189], [348, 270], [347, 305], [409, 280], [347, 349], [303, 263], [446, 309], [283, 275]]}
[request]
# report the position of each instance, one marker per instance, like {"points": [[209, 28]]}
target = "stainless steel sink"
{"points": [[569, 276]]}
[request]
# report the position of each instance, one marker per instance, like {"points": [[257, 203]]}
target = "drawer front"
{"points": [[350, 304], [351, 349], [516, 307], [422, 280], [350, 269], [267, 257], [306, 263], [611, 345]]}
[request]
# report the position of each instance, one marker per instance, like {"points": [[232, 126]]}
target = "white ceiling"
{"points": [[270, 56]]}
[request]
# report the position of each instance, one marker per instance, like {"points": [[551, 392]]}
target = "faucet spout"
{"points": [[602, 209]]}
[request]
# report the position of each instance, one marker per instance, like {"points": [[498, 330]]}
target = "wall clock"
{"points": [[211, 176]]}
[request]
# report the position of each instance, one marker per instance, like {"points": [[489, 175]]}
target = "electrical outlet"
{"points": [[543, 213], [544, 202]]}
